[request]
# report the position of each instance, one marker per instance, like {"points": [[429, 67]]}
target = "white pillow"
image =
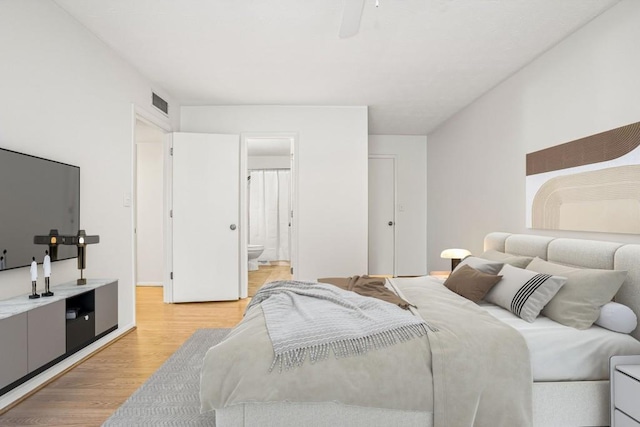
{"points": [[524, 292], [480, 264], [617, 317]]}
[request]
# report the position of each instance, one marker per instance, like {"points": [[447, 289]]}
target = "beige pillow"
{"points": [[578, 302], [471, 283], [514, 260]]}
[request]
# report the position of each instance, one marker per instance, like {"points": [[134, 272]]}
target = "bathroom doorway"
{"points": [[270, 209]]}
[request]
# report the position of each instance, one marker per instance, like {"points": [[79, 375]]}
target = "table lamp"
{"points": [[81, 241], [455, 255], [53, 239]]}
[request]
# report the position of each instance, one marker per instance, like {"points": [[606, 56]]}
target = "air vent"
{"points": [[160, 103]]}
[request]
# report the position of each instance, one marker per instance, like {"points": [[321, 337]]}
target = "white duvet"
{"points": [[562, 353]]}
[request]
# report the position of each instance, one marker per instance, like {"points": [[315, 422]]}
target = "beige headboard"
{"points": [[579, 253]]}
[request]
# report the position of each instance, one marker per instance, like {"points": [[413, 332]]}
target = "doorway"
{"points": [[269, 209], [382, 218], [149, 204]]}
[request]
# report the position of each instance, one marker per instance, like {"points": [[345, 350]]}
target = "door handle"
{"points": [[232, 226], [390, 223]]}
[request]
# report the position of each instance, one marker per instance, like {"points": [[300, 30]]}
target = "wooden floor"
{"points": [[275, 270], [89, 393]]}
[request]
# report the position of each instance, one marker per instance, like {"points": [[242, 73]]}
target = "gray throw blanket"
{"points": [[312, 319]]}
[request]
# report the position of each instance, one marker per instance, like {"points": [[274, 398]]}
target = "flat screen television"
{"points": [[36, 196]]}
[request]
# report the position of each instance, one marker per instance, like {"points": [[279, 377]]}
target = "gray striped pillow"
{"points": [[524, 292]]}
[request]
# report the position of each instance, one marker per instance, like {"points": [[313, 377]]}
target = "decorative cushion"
{"points": [[524, 292], [617, 317], [489, 267], [514, 260], [579, 301], [471, 283]]}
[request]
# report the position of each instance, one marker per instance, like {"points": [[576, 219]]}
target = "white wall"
{"points": [[150, 209], [411, 186], [332, 176], [66, 96], [268, 162], [476, 164]]}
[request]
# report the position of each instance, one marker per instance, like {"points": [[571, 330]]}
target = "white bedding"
{"points": [[430, 374], [562, 353]]}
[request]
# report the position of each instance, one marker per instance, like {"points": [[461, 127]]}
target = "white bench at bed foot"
{"points": [[555, 404], [317, 414]]}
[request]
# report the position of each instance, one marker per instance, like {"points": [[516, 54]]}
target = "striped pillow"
{"points": [[524, 292]]}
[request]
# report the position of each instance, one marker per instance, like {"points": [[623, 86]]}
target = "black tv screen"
{"points": [[36, 196]]}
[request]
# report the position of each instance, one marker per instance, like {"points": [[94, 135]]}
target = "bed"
{"points": [[556, 401]]}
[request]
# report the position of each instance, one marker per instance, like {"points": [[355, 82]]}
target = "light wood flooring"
{"points": [[89, 393], [277, 270]]}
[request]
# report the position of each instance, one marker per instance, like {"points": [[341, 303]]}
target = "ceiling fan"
{"points": [[351, 18]]}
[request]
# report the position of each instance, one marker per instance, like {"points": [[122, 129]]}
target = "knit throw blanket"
{"points": [[313, 319]]}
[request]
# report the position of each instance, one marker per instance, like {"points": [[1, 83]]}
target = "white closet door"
{"points": [[381, 215], [206, 193]]}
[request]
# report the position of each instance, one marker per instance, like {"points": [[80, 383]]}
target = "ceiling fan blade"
{"points": [[351, 18]]}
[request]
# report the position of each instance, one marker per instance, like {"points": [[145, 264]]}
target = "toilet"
{"points": [[254, 252]]}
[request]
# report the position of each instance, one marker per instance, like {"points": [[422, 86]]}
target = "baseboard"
{"points": [[149, 284], [24, 390]]}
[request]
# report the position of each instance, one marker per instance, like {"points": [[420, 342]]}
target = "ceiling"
{"points": [[415, 63]]}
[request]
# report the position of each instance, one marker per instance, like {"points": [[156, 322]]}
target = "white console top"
{"points": [[20, 304]]}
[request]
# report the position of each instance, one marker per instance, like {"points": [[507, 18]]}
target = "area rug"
{"points": [[170, 397]]}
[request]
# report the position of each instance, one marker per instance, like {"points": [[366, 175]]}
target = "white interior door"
{"points": [[382, 215], [206, 195]]}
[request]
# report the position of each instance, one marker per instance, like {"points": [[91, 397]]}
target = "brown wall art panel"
{"points": [[590, 184]]}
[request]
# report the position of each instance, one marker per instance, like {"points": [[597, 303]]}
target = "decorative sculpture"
{"points": [[46, 266], [34, 278]]}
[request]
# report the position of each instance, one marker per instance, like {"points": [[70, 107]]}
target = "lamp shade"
{"points": [[455, 253]]}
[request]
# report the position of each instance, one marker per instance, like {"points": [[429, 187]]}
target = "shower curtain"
{"points": [[269, 209]]}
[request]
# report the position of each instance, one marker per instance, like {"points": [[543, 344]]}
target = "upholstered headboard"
{"points": [[579, 253]]}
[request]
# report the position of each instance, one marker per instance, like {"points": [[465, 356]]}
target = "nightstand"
{"points": [[625, 391]]}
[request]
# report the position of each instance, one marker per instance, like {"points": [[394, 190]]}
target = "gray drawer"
{"points": [[627, 394], [622, 420], [13, 349], [45, 334]]}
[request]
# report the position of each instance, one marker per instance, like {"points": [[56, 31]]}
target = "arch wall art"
{"points": [[590, 184]]}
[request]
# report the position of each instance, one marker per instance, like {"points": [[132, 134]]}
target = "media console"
{"points": [[35, 334]]}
